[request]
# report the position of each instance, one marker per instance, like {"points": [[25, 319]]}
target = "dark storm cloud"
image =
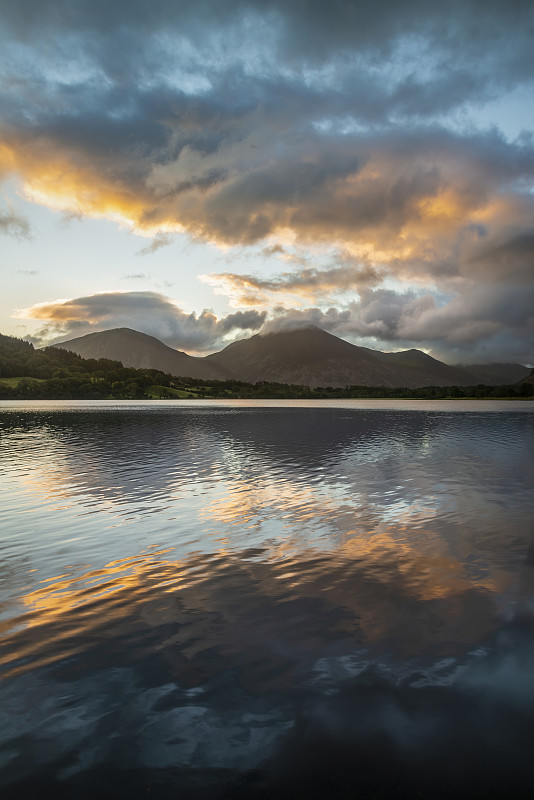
{"points": [[511, 254], [242, 320], [311, 30], [148, 312]]}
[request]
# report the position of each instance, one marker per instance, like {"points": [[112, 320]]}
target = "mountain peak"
{"points": [[136, 349], [285, 330]]}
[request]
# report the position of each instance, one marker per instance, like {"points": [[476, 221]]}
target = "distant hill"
{"points": [[135, 349], [497, 374], [306, 356], [420, 369], [313, 357], [529, 378]]}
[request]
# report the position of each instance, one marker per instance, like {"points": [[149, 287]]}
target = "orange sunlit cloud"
{"points": [[354, 212]]}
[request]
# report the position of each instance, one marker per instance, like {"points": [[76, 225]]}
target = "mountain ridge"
{"points": [[311, 356], [306, 356]]}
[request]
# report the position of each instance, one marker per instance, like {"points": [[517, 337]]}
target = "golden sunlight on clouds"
{"points": [[7, 160], [242, 291], [51, 310], [81, 194], [64, 184], [445, 208], [386, 211]]}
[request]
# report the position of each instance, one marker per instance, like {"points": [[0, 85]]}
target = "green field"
{"points": [[14, 382], [156, 392]]}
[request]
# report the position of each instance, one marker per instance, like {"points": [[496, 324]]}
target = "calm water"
{"points": [[226, 600]]}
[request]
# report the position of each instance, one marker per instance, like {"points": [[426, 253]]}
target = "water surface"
{"points": [[243, 599]]}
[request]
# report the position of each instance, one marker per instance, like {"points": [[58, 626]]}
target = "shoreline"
{"points": [[395, 404]]}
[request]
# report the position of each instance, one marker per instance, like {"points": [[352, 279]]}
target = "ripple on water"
{"points": [[214, 588]]}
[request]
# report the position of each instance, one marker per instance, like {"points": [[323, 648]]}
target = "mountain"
{"points": [[497, 374], [139, 350], [313, 357], [420, 369], [307, 356]]}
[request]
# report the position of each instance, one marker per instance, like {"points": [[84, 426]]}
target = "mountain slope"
{"points": [[497, 374], [420, 369], [139, 350], [313, 357]]}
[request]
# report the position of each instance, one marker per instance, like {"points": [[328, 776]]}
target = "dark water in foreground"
{"points": [[238, 602]]}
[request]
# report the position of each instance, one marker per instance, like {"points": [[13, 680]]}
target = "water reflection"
{"points": [[303, 604], [217, 588]]}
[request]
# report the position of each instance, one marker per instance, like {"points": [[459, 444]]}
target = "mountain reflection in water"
{"points": [[283, 602]]}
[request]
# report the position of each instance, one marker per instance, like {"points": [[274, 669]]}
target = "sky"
{"points": [[205, 171]]}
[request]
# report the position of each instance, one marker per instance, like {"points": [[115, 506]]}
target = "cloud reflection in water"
{"points": [[195, 585]]}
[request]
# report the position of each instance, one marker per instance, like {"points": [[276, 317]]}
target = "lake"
{"points": [[267, 599]]}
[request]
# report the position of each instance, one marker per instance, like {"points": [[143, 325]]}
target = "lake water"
{"points": [[267, 600]]}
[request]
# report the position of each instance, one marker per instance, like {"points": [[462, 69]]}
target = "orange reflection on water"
{"points": [[395, 587], [64, 593]]}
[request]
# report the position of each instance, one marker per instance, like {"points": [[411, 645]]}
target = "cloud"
{"points": [[14, 224], [491, 324], [160, 240], [274, 250], [277, 133], [412, 200], [509, 256], [309, 283], [148, 312], [486, 324], [123, 35]]}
